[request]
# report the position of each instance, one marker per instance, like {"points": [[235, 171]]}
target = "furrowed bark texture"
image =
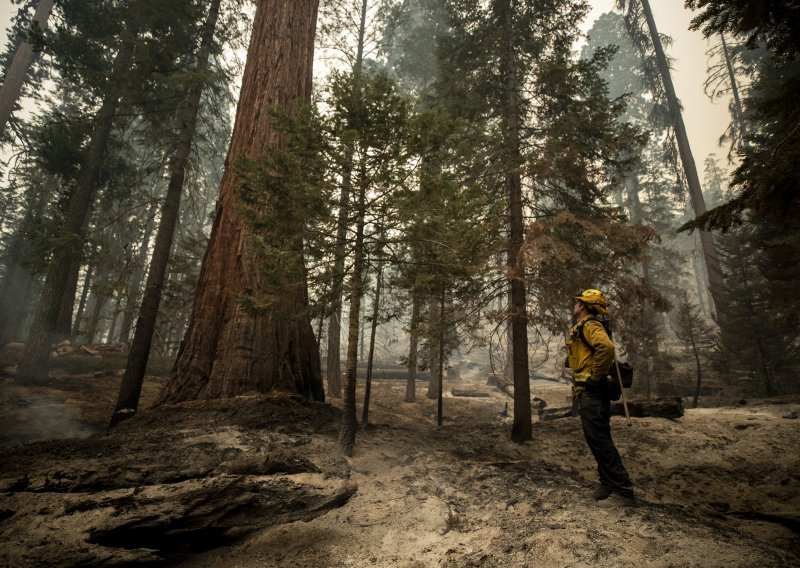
{"points": [[228, 350]]}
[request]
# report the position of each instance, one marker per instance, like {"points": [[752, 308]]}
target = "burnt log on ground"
{"points": [[670, 407], [555, 413], [469, 393], [170, 482]]}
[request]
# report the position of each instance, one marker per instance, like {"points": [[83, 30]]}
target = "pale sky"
{"points": [[705, 121]]}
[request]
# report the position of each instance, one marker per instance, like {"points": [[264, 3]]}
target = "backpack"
{"points": [[625, 370]]}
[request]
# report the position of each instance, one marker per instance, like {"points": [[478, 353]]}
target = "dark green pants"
{"points": [[595, 412]]}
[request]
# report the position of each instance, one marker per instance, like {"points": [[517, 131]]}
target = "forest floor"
{"points": [[258, 481]]}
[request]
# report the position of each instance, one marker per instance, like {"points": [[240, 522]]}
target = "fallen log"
{"points": [[554, 413], [469, 393], [90, 351], [670, 407]]}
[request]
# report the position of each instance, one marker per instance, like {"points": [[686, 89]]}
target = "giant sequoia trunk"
{"points": [[687, 159], [228, 349], [20, 65]]}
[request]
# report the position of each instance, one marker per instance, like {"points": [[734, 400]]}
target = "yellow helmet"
{"points": [[594, 299]]}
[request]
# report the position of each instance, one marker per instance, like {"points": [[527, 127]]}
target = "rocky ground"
{"points": [[258, 481]]}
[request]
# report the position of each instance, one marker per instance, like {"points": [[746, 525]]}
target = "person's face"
{"points": [[577, 308]]}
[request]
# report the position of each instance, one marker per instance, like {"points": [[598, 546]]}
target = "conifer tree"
{"points": [[110, 60], [697, 336], [130, 388], [25, 54], [639, 15], [229, 348]]}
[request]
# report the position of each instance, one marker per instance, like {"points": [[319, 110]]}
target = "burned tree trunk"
{"points": [[373, 329], [228, 349]]}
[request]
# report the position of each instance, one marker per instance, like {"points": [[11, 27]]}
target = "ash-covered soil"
{"points": [[259, 481]]}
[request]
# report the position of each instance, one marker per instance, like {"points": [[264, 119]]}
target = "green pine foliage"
{"points": [[758, 329], [696, 334], [775, 23]]}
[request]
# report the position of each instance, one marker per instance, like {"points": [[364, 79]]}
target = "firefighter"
{"points": [[590, 354]]}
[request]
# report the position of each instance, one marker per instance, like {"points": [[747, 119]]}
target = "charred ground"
{"points": [[258, 480]]}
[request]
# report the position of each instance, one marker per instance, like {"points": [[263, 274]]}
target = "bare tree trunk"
{"points": [[334, 359], [347, 434], [96, 303], [228, 349], [522, 429], [34, 364], [87, 281], [413, 343], [440, 366], [132, 294], [63, 327], [738, 113], [373, 329], [20, 65], [436, 354], [112, 328], [697, 385], [131, 386], [689, 168]]}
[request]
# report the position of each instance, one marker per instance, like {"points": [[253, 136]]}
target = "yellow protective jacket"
{"points": [[586, 365]]}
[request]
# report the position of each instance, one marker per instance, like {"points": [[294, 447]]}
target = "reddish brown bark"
{"points": [[228, 350]]}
